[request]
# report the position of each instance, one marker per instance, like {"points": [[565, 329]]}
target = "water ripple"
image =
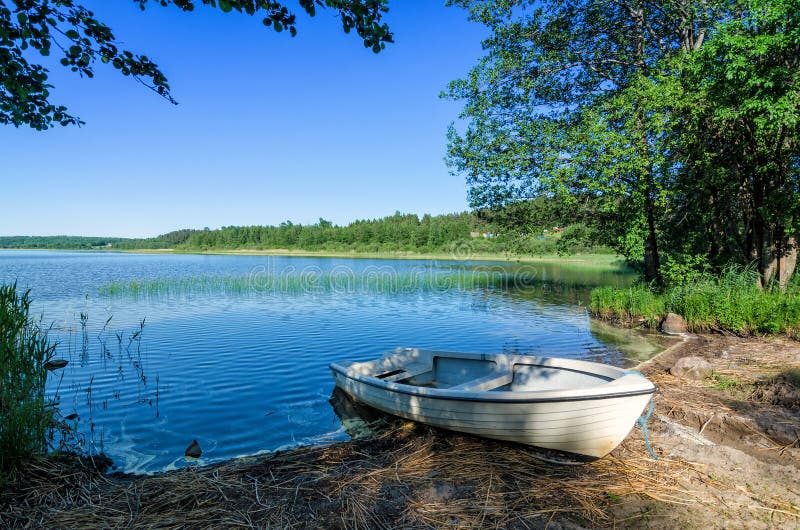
{"points": [[243, 373]]}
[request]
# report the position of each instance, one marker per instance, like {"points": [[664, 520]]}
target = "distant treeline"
{"points": [[169, 240], [467, 232], [396, 232], [58, 242]]}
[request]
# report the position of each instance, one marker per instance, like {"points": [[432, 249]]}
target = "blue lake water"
{"points": [[233, 351]]}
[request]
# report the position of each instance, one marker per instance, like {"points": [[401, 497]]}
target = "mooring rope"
{"points": [[633, 372], [642, 420]]}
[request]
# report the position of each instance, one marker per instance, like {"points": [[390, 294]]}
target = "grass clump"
{"points": [[792, 376], [25, 357], [731, 302], [635, 303], [724, 383]]}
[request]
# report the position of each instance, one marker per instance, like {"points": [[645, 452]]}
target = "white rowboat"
{"points": [[564, 405]]}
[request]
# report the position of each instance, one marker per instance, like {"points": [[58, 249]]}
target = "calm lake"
{"points": [[233, 351]]}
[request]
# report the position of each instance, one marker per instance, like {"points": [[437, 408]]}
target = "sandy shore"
{"points": [[729, 457], [588, 261]]}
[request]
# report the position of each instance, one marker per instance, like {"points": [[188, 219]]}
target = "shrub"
{"points": [[528, 245], [684, 268], [576, 238]]}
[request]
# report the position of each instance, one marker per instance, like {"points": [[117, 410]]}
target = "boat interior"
{"points": [[484, 372]]}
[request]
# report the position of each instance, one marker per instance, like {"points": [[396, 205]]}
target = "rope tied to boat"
{"points": [[642, 420]]}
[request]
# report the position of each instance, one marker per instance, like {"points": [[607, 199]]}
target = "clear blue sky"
{"points": [[269, 127]]}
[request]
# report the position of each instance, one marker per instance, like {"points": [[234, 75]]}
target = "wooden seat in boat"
{"points": [[406, 372], [486, 383]]}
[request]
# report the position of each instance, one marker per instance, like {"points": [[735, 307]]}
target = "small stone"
{"points": [[55, 364], [101, 462], [193, 451], [673, 324], [691, 368]]}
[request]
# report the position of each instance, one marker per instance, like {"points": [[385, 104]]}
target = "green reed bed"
{"points": [[732, 302], [25, 359], [311, 282]]}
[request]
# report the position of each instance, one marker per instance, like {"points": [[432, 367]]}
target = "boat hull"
{"points": [[587, 425]]}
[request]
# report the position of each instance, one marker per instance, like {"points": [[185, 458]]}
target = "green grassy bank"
{"points": [[732, 303]]}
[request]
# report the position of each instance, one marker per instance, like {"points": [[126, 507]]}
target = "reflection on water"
{"points": [[638, 345], [243, 370], [358, 420]]}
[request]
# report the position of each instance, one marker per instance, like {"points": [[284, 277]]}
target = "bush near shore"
{"points": [[732, 302]]}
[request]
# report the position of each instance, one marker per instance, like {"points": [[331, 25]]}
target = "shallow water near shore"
{"points": [[233, 351]]}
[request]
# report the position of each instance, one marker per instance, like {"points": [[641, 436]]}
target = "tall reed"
{"points": [[314, 281], [25, 357]]}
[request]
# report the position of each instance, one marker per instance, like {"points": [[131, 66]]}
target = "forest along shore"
{"points": [[594, 260], [728, 447]]}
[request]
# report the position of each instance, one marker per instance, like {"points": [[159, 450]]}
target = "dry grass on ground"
{"points": [[411, 476]]}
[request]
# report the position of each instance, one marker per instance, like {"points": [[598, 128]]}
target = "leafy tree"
{"points": [[564, 87], [622, 152], [68, 29], [740, 187]]}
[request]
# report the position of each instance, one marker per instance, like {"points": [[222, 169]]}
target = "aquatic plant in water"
{"points": [[313, 280], [26, 357]]}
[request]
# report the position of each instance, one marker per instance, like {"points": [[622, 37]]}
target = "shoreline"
{"points": [[728, 457], [608, 261]]}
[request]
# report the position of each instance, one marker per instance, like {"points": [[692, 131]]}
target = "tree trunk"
{"points": [[782, 261], [777, 259], [652, 263], [767, 255], [788, 261]]}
